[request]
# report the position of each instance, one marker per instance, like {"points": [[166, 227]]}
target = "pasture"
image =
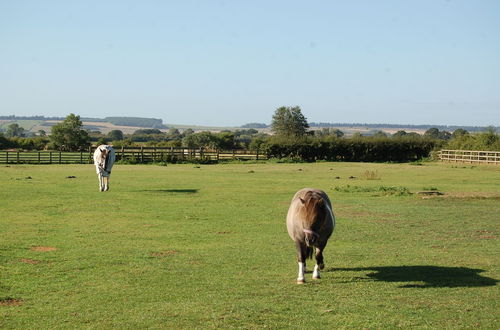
{"points": [[188, 246]]}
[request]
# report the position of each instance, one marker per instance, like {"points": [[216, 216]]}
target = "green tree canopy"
{"points": [[459, 132], [115, 135], [289, 122], [69, 135], [14, 130], [437, 134]]}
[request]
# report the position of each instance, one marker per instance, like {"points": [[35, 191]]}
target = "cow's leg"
{"points": [[107, 183], [301, 258]]}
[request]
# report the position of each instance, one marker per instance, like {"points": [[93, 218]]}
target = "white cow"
{"points": [[104, 158]]}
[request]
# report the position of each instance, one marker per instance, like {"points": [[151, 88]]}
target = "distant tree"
{"points": [[488, 139], [136, 121], [335, 131], [4, 142], [329, 132], [399, 134], [380, 134], [69, 135], [41, 132], [173, 133], [147, 131], [200, 140], [254, 125], [432, 133], [289, 122], [188, 131], [257, 143], [436, 134], [225, 140], [413, 135], [115, 135], [459, 132], [14, 130], [357, 135]]}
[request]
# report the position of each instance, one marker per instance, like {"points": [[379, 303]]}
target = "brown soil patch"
{"points": [[223, 232], [163, 254], [43, 248], [30, 261], [10, 302]]}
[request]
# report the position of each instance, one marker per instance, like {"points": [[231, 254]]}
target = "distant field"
{"points": [[29, 125], [187, 246], [106, 127]]}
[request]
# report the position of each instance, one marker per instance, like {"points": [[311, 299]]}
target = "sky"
{"points": [[228, 63]]}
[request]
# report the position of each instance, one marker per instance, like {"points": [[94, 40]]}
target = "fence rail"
{"points": [[132, 154], [470, 156]]}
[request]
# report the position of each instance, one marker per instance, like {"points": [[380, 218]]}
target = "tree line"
{"points": [[291, 138]]}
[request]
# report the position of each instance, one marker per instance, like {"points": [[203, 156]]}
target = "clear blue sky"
{"points": [[233, 62]]}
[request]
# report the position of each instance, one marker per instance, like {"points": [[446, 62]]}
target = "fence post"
{"points": [[39, 157], [17, 157], [142, 155], [60, 157], [50, 157]]}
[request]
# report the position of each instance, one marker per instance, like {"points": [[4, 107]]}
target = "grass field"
{"points": [[185, 246]]}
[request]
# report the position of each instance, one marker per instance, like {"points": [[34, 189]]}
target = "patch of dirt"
{"points": [[30, 261], [10, 302], [43, 248], [163, 254], [223, 232]]}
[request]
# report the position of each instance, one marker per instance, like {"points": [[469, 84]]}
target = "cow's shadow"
{"points": [[423, 276]]}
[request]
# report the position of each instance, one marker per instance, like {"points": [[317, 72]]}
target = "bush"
{"points": [[362, 149]]}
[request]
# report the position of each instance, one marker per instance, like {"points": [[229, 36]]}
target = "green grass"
{"points": [[205, 246]]}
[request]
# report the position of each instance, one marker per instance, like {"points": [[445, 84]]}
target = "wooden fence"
{"points": [[470, 156], [132, 154]]}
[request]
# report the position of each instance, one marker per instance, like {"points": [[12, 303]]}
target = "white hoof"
{"points": [[301, 281]]}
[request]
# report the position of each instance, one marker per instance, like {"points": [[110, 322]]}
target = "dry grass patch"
{"points": [[30, 261], [10, 301], [43, 248]]}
